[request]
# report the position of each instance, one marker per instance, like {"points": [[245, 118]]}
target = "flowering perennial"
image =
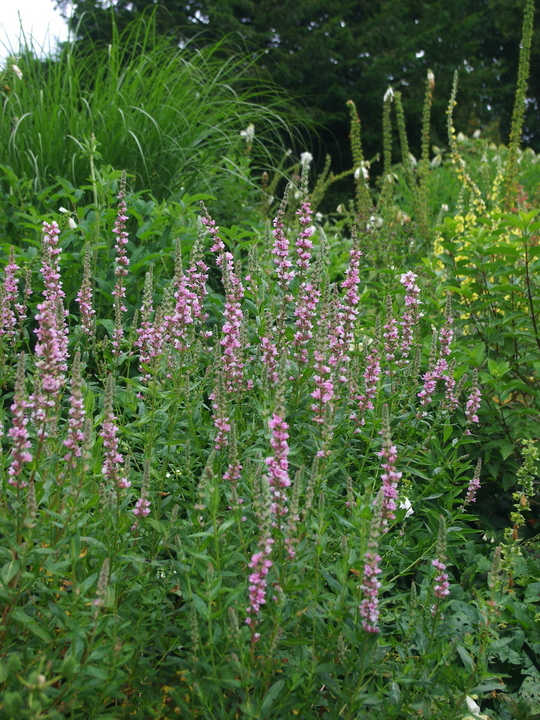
{"points": [[112, 459], [85, 297], [122, 262], [18, 432], [411, 314], [9, 294]]}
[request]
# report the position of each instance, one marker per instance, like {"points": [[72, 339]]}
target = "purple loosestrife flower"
{"points": [[324, 388], [390, 477], [280, 249], [438, 372], [8, 320], [278, 464], [411, 314], [112, 459], [260, 565], [213, 230], [231, 359], [372, 375], [22, 308], [308, 298], [18, 433], [121, 265], [76, 417], [474, 485], [369, 607], [142, 506], [221, 415], [151, 334], [342, 335], [260, 562], [85, 297], [442, 586], [51, 349], [183, 313], [304, 245], [473, 402]]}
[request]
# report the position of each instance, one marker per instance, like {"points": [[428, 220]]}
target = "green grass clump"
{"points": [[168, 116]]}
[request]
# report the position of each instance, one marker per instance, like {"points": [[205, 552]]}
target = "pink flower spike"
{"points": [[18, 432]]}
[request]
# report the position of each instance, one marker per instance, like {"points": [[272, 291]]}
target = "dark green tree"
{"points": [[327, 51]]}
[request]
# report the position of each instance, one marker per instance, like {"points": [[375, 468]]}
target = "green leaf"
{"points": [[465, 657], [270, 696], [9, 570]]}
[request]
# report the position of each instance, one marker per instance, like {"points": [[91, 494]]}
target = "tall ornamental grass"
{"points": [[167, 115]]}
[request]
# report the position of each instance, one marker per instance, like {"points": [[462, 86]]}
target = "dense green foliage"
{"points": [[285, 467]]}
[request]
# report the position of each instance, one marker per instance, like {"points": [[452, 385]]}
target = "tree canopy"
{"points": [[327, 51]]}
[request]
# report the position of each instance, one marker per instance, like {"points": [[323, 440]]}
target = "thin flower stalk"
{"points": [[474, 485], [411, 314], [390, 334], [390, 477], [112, 459], [278, 464], [306, 306], [20, 451], [221, 417], [121, 265], [9, 295], [473, 403], [280, 249], [51, 349], [342, 337], [260, 562], [76, 418], [371, 376], [370, 586], [85, 297], [304, 245], [142, 506]]}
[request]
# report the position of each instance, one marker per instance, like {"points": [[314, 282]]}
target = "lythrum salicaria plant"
{"points": [[244, 529]]}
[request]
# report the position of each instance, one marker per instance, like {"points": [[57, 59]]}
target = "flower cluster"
{"points": [[473, 402], [9, 293], [278, 464], [342, 332], [76, 417], [51, 349], [260, 565], [112, 459], [308, 298], [411, 314], [18, 432], [442, 586], [84, 297], [369, 607], [280, 249], [122, 262], [390, 477], [304, 244], [372, 375]]}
